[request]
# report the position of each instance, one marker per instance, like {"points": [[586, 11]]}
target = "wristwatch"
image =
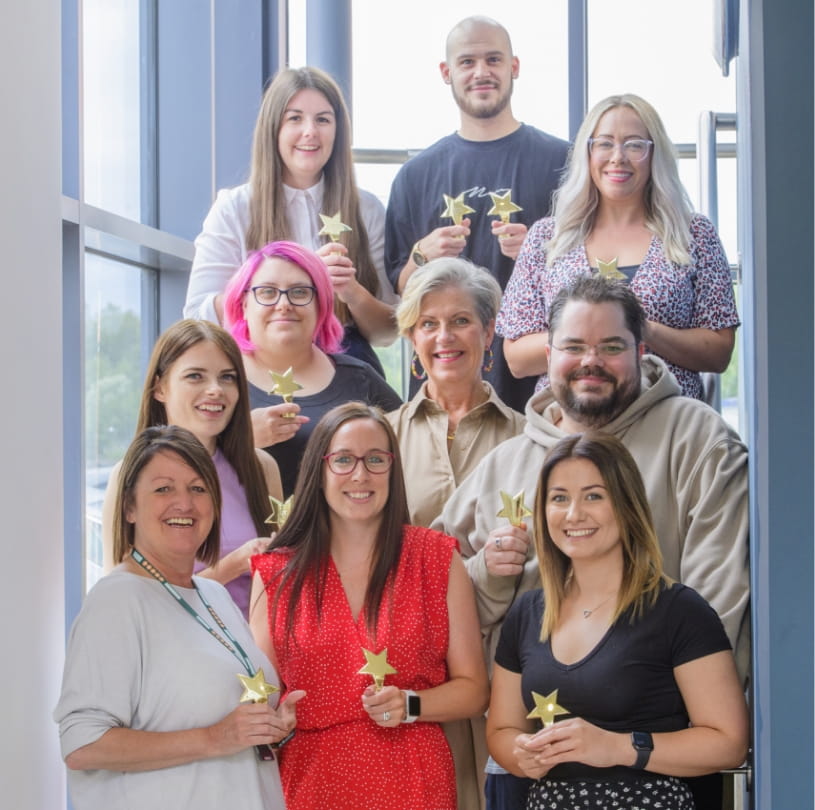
{"points": [[643, 744], [413, 706], [419, 259]]}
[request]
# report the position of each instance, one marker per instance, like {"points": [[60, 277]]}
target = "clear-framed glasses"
{"points": [[634, 149], [606, 351], [376, 462], [299, 296]]}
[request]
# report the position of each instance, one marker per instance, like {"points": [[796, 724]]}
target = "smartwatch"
{"points": [[413, 706], [643, 744], [419, 259]]}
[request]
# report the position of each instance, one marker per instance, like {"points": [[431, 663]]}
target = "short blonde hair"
{"points": [[444, 272]]}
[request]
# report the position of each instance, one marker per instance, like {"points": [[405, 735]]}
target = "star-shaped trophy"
{"points": [[455, 208], [376, 665], [546, 707], [285, 385], [514, 509], [257, 690], [333, 227], [280, 511], [609, 270], [502, 205]]}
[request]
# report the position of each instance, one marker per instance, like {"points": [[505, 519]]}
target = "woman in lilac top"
{"points": [[195, 379], [622, 211]]}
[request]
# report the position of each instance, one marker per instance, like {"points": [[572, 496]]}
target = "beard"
{"points": [[483, 110], [592, 410]]}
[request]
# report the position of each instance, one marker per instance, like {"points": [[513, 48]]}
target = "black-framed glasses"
{"points": [[267, 295], [376, 462], [634, 149]]}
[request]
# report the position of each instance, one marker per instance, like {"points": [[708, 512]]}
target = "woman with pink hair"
{"points": [[279, 308]]}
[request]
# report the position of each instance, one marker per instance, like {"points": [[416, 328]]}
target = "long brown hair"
{"points": [[307, 532], [236, 440], [267, 207], [643, 576], [147, 444]]}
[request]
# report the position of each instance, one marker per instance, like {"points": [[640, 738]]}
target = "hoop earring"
{"points": [[489, 360], [415, 371]]}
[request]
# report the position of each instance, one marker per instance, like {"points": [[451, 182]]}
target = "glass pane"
{"points": [[113, 383], [671, 66], [111, 106], [396, 68]]}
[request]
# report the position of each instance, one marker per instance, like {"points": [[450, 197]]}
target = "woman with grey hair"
{"points": [[622, 212], [448, 311]]}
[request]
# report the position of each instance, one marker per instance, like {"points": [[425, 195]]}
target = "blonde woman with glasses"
{"points": [[622, 212]]}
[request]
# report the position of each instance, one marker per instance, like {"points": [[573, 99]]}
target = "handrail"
{"points": [[378, 156]]}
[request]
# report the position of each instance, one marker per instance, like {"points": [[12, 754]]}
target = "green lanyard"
{"points": [[235, 648]]}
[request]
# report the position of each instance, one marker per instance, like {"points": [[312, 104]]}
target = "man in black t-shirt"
{"points": [[491, 152]]}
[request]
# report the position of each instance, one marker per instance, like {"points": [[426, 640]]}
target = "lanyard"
{"points": [[235, 648]]}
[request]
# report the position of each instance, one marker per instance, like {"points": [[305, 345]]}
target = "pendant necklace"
{"points": [[587, 613]]}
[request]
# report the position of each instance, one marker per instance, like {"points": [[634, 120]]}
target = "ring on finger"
{"points": [[386, 717], [498, 543]]}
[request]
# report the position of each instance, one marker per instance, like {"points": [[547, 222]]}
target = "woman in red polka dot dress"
{"points": [[348, 586]]}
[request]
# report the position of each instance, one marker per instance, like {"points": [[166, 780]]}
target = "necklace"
{"points": [[587, 613], [451, 436]]}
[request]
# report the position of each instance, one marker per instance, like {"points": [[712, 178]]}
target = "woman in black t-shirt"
{"points": [[631, 674]]}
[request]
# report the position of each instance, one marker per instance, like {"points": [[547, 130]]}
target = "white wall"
{"points": [[31, 594]]}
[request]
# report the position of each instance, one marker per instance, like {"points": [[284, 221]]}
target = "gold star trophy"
{"points": [[280, 512], [333, 227], [285, 385], [609, 270], [376, 665], [455, 208], [503, 207], [257, 690], [546, 707], [514, 509]]}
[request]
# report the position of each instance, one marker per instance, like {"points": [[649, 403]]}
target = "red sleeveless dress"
{"points": [[339, 758]]}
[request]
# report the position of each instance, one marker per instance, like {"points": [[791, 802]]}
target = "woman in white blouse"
{"points": [[301, 167]]}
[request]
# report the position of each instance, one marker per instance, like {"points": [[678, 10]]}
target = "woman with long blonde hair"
{"points": [[622, 212]]}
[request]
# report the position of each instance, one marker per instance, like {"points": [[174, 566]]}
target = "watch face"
{"points": [[419, 259], [414, 705], [642, 741]]}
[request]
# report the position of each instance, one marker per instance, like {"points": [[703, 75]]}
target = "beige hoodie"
{"points": [[695, 471]]}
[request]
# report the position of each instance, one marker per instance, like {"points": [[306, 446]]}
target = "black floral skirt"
{"points": [[652, 792]]}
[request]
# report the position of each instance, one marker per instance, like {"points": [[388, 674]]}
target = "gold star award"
{"points": [[376, 665], [256, 689], [280, 511], [609, 270], [332, 227], [285, 385], [502, 205], [546, 707], [514, 509], [455, 208]]}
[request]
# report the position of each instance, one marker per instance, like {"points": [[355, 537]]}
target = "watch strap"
{"points": [[643, 744]]}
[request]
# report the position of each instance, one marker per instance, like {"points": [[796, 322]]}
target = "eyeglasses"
{"points": [[299, 296], [606, 351], [635, 149], [376, 462]]}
